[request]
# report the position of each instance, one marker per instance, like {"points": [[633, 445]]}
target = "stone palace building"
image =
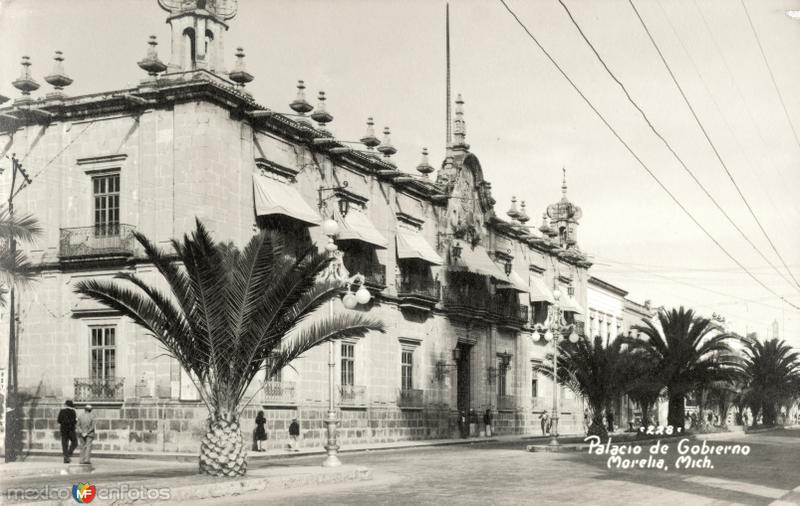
{"points": [[459, 284]]}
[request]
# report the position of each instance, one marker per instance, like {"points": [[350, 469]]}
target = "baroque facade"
{"points": [[458, 286]]}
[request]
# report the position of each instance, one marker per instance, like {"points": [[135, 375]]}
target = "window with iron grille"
{"points": [[348, 363], [534, 381], [106, 204], [103, 352], [502, 371], [407, 370]]}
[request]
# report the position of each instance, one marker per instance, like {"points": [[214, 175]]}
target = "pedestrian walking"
{"points": [[261, 431], [487, 421], [586, 421], [544, 420], [67, 420], [86, 428], [610, 419], [294, 434], [462, 424]]}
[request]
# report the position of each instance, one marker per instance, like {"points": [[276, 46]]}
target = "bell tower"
{"points": [[198, 33], [564, 217]]}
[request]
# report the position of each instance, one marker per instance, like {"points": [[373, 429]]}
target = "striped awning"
{"points": [[515, 282], [412, 245], [356, 226], [274, 197], [478, 261], [569, 303], [539, 291]]}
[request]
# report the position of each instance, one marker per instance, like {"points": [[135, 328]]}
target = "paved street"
{"points": [[503, 473]]}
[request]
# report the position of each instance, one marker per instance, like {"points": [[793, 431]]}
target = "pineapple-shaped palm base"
{"points": [[222, 450]]}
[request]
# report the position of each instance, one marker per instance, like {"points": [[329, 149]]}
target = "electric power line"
{"points": [[708, 139], [664, 140], [636, 157], [771, 75]]}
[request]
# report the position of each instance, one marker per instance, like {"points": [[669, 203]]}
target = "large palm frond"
{"points": [[228, 310]]}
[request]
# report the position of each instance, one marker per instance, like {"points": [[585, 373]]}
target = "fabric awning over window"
{"points": [[477, 260], [515, 282], [539, 291], [570, 304], [413, 245], [356, 226], [273, 197]]}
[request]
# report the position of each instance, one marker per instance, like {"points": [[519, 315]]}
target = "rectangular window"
{"points": [[502, 371], [534, 382], [106, 204], [407, 369], [103, 352], [348, 364]]}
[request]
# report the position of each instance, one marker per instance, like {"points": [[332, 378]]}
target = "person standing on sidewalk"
{"points": [[86, 428], [544, 419], [294, 434], [487, 421], [261, 431], [67, 420]]}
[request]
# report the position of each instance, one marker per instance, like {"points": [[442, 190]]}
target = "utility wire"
{"points": [[771, 75], [636, 157], [666, 143], [708, 139]]}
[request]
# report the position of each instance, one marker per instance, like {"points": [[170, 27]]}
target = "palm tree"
{"points": [[595, 372], [644, 386], [227, 312], [771, 372], [15, 268], [688, 352]]}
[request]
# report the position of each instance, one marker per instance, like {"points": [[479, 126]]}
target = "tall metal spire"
{"points": [[447, 52]]}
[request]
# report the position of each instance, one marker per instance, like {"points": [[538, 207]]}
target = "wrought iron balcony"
{"points": [[506, 403], [409, 398], [515, 312], [419, 287], [352, 395], [112, 240], [99, 389], [279, 392], [467, 300]]}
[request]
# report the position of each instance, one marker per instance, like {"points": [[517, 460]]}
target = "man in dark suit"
{"points": [[67, 419]]}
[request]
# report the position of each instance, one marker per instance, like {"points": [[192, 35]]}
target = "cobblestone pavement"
{"points": [[503, 473]]}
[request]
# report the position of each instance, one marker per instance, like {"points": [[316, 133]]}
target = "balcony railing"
{"points": [[97, 241], [352, 395], [512, 311], [409, 398], [279, 392], [99, 389], [466, 297], [506, 402], [420, 287]]}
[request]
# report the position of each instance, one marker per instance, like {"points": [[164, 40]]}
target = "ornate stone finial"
{"points": [[25, 83], [151, 64], [564, 183], [386, 146], [523, 217], [300, 105], [459, 127], [321, 114], [369, 139], [424, 166], [513, 213], [239, 74], [58, 79], [544, 228]]}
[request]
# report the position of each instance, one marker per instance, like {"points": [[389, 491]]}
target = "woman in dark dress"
{"points": [[261, 431]]}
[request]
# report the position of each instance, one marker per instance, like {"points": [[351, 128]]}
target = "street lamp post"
{"points": [[336, 272], [556, 328]]}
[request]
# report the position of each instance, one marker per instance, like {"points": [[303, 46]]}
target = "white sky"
{"points": [[386, 59]]}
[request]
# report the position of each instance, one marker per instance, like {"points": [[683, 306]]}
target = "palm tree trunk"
{"points": [[645, 407], [676, 413], [222, 450]]}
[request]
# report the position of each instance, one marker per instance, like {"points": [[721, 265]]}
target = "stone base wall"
{"points": [[172, 426]]}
